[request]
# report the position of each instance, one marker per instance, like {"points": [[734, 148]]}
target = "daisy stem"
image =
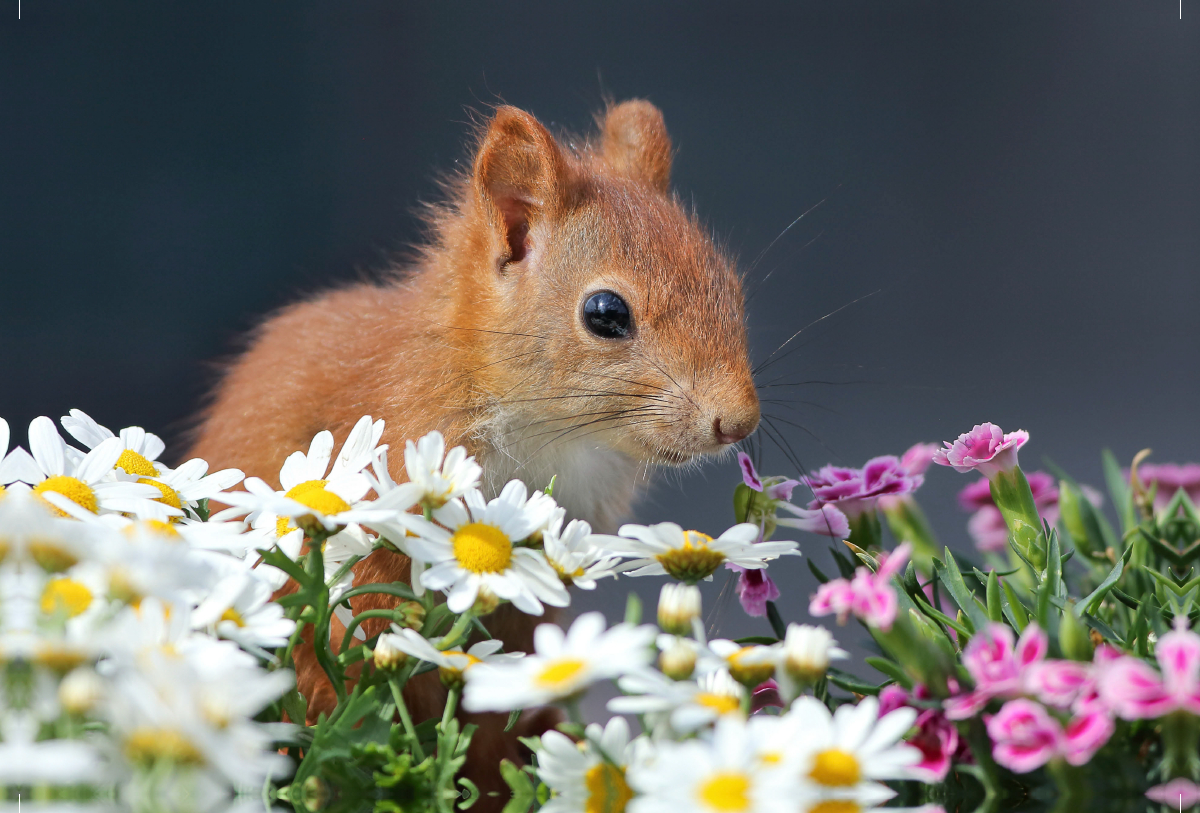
{"points": [[406, 719], [457, 632], [451, 706]]}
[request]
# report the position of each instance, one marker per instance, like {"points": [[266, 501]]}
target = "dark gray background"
{"points": [[1016, 183]]}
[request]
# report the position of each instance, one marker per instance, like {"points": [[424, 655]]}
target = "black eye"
{"points": [[607, 315]]}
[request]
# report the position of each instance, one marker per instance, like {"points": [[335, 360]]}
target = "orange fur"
{"points": [[482, 339]]}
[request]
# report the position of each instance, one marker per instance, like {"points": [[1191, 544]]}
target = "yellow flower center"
{"points": [[65, 595], [73, 489], [836, 768], [149, 745], [694, 560], [157, 527], [134, 463], [454, 677], [482, 548], [122, 588], [234, 616], [726, 791], [607, 790], [720, 703], [836, 806], [561, 672], [313, 494], [51, 557], [771, 757], [169, 495], [59, 658]]}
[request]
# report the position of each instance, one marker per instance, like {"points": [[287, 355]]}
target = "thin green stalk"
{"points": [[451, 705], [458, 632], [406, 719]]}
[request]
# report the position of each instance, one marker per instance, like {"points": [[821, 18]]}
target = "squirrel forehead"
{"points": [[648, 238]]}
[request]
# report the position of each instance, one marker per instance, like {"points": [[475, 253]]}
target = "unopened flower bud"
{"points": [[387, 656], [411, 614], [807, 651], [678, 605], [751, 665], [678, 661], [80, 691], [485, 603], [314, 793]]}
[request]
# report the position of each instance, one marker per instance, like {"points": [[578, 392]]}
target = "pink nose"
{"points": [[731, 432]]}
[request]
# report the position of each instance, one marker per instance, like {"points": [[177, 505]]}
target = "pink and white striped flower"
{"points": [[1135, 691], [985, 449], [868, 596]]}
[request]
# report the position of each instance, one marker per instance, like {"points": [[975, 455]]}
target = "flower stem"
{"points": [[458, 632], [405, 719], [451, 705]]}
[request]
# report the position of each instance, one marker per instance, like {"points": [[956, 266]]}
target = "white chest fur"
{"points": [[595, 483]]}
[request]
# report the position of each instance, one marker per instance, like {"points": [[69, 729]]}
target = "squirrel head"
{"points": [[588, 304]]}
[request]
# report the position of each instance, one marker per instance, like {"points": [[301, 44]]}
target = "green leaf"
{"points": [[513, 716], [202, 509], [550, 486], [891, 669], [844, 565], [777, 625], [633, 609], [1049, 588], [938, 615], [948, 571], [816, 571], [995, 609], [1119, 491], [762, 640], [1016, 613], [847, 681], [1093, 600], [399, 589]]}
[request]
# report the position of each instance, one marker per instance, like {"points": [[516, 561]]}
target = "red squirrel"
{"points": [[567, 316]]}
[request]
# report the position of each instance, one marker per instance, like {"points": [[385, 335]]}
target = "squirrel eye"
{"points": [[607, 315]]}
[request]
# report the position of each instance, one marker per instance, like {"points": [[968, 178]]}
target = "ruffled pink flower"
{"points": [[868, 596], [915, 461], [776, 491], [936, 737], [1025, 737], [988, 529], [826, 520], [1003, 671], [857, 490], [1170, 478], [1178, 793], [1132, 689], [985, 449], [754, 588]]}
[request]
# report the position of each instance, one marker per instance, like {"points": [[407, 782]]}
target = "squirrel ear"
{"points": [[636, 143], [520, 172]]}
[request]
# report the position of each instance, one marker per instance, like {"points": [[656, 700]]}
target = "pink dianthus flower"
{"points": [[986, 449], [857, 490], [868, 596]]}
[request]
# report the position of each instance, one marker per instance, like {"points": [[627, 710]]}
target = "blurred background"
{"points": [[1006, 198]]}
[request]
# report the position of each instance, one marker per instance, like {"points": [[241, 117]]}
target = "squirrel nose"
{"points": [[732, 431]]}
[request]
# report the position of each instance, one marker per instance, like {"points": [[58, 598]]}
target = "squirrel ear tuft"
{"points": [[520, 171], [636, 143]]}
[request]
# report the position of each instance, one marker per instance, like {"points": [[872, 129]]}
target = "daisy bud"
{"points": [[411, 615], [388, 656], [678, 661], [752, 665], [486, 602], [678, 605], [807, 651], [80, 691]]}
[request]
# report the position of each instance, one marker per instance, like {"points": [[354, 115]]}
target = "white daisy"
{"points": [[720, 775], [575, 554], [30, 531], [846, 755], [683, 704], [140, 449], [432, 480], [452, 664], [186, 486], [26, 761], [690, 556], [589, 776], [562, 665], [804, 658], [75, 484], [239, 607], [479, 552], [314, 493], [748, 665]]}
